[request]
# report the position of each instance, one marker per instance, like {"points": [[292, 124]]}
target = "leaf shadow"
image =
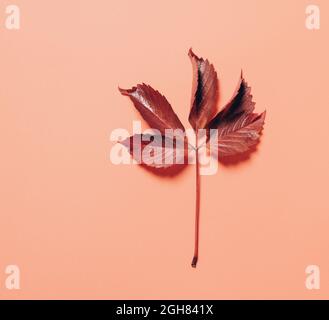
{"points": [[170, 172]]}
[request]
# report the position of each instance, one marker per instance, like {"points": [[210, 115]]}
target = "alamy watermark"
{"points": [[154, 149], [312, 21], [312, 281], [13, 17], [12, 281]]}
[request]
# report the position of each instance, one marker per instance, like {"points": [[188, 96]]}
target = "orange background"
{"points": [[81, 227]]}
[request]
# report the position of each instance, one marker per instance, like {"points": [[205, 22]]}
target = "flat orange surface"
{"points": [[79, 226]]}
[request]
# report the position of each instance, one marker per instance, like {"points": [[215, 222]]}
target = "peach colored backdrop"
{"points": [[81, 227]]}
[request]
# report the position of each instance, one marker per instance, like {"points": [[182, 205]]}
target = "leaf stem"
{"points": [[197, 207]]}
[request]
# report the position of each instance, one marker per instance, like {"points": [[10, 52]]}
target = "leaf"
{"points": [[205, 92], [240, 102], [240, 134], [153, 107], [238, 127], [157, 151]]}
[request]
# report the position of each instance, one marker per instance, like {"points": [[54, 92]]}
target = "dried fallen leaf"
{"points": [[204, 92], [156, 151], [238, 128], [153, 107]]}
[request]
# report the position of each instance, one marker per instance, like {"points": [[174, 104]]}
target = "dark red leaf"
{"points": [[153, 107], [238, 127], [157, 151], [204, 92], [240, 134], [241, 102]]}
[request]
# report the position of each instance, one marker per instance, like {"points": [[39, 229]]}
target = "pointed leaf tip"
{"points": [[126, 92], [191, 54]]}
